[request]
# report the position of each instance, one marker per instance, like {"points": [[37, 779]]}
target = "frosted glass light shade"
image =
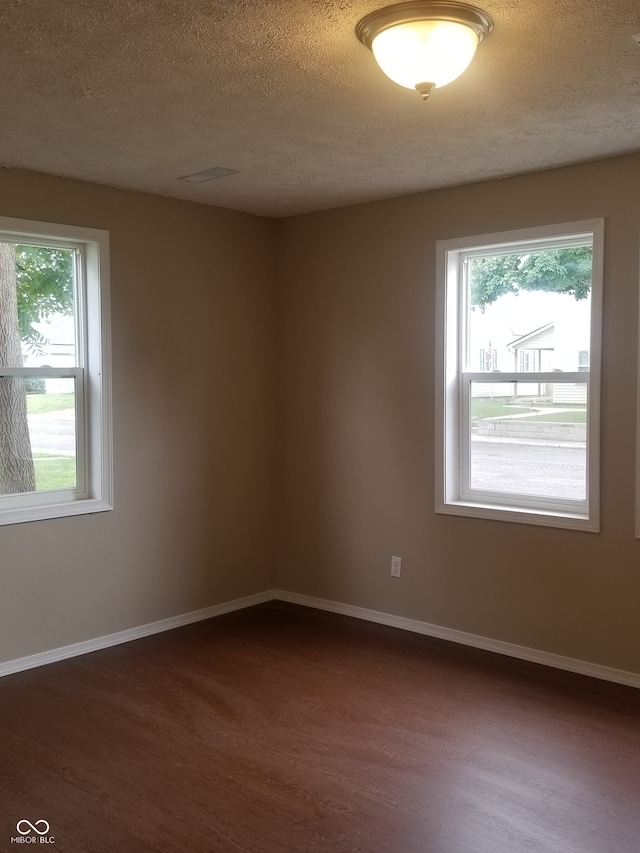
{"points": [[424, 44], [425, 52]]}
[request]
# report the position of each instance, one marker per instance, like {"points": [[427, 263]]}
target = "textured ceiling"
{"points": [[136, 93]]}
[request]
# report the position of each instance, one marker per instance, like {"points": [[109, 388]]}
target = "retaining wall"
{"points": [[525, 428]]}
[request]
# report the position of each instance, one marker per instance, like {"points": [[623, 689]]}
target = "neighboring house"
{"points": [[57, 351], [529, 332], [535, 351]]}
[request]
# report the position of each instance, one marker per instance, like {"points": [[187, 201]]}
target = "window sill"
{"points": [[520, 515], [64, 509]]}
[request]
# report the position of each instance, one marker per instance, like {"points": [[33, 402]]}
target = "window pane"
{"points": [[37, 326], [531, 309], [37, 329], [529, 438], [37, 434]]}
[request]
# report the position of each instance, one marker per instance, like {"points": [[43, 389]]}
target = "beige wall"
{"points": [[209, 441], [194, 425], [357, 430]]}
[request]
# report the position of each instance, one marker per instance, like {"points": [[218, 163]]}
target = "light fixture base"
{"points": [[423, 10]]}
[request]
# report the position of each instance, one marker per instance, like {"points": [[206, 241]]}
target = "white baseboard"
{"points": [[593, 670], [605, 673], [127, 636]]}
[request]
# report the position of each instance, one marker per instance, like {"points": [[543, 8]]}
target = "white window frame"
{"points": [[453, 494], [91, 376]]}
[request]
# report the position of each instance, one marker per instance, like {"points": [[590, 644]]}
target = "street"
{"points": [[533, 469], [53, 432]]}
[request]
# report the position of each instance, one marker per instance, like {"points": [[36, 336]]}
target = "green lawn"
{"points": [[503, 407], [577, 416], [482, 407], [54, 472], [37, 404]]}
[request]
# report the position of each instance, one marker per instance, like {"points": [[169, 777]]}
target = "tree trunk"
{"points": [[16, 461]]}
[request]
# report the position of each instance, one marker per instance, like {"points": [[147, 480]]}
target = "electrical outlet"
{"points": [[396, 567]]}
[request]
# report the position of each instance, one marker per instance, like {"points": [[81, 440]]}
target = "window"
{"points": [[509, 448], [488, 360], [528, 361], [55, 414], [583, 360]]}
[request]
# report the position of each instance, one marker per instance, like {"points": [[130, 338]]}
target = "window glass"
{"points": [[37, 329], [521, 443], [534, 307]]}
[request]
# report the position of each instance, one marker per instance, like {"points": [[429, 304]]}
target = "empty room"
{"points": [[292, 555]]}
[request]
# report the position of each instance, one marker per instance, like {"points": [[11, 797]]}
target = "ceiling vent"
{"points": [[209, 175]]}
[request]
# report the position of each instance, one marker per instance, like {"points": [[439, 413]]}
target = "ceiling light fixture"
{"points": [[424, 44]]}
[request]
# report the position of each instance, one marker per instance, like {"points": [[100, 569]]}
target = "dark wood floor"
{"points": [[285, 729]]}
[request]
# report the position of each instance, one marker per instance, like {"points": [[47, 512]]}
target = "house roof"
{"points": [[531, 339], [137, 93]]}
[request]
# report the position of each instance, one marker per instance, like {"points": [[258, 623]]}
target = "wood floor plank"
{"points": [[281, 728]]}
